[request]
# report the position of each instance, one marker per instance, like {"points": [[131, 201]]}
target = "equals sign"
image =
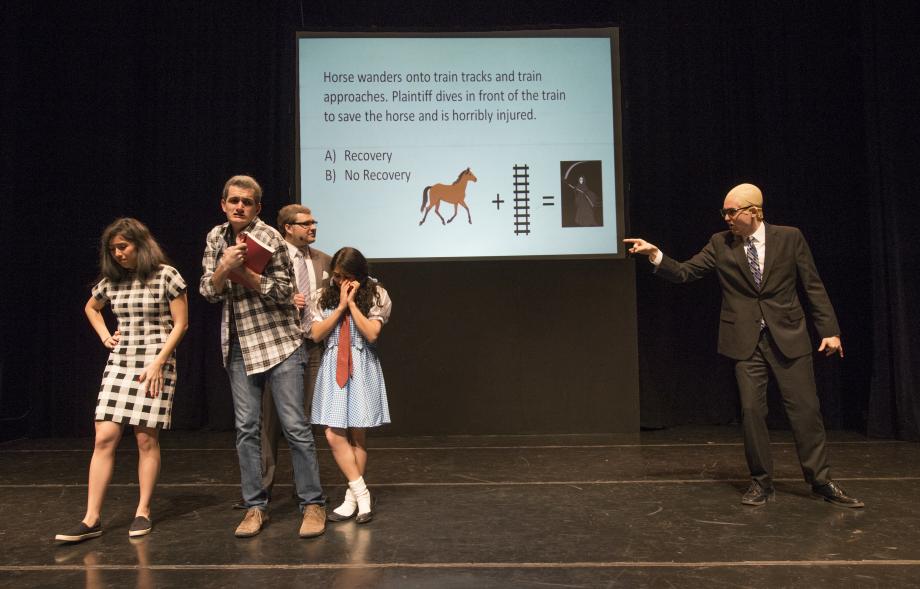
{"points": [[549, 201]]}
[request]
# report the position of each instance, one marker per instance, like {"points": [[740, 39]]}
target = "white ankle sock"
{"points": [[362, 495], [348, 506]]}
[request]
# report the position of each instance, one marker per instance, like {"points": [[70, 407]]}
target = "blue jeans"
{"points": [[286, 382]]}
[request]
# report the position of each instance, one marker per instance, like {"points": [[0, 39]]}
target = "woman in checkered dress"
{"points": [[148, 297], [350, 395]]}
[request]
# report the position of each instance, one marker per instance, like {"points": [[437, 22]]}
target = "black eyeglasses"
{"points": [[304, 223], [731, 213]]}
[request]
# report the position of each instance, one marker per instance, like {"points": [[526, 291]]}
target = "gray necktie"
{"points": [[303, 286], [753, 261]]}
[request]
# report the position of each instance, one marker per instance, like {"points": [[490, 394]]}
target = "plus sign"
{"points": [[498, 201]]}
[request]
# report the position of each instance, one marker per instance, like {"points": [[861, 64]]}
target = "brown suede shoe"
{"points": [[252, 523], [314, 521]]}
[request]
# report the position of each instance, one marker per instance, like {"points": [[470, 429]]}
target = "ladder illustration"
{"points": [[521, 200]]}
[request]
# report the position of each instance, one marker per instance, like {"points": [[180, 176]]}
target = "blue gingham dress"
{"points": [[363, 401], [145, 321]]}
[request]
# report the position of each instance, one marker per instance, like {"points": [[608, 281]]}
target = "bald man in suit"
{"points": [[762, 328]]}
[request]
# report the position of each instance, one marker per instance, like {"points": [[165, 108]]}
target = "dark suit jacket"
{"points": [[788, 261]]}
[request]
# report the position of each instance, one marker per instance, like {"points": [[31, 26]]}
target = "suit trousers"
{"points": [[796, 380], [271, 427]]}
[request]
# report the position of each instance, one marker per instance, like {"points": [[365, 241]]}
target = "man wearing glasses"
{"points": [[763, 330], [311, 272]]}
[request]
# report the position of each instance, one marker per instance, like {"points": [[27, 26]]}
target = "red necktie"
{"points": [[343, 359]]}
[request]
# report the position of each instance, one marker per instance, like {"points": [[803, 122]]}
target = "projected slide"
{"points": [[485, 147]]}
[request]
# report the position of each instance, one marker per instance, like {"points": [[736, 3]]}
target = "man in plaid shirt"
{"points": [[261, 344]]}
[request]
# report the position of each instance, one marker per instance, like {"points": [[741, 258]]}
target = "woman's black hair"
{"points": [[149, 254], [350, 261]]}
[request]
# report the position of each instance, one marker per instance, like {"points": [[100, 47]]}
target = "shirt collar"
{"points": [[759, 236], [293, 250], [228, 229]]}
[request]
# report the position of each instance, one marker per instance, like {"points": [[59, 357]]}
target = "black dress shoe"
{"points": [[756, 495], [831, 491]]}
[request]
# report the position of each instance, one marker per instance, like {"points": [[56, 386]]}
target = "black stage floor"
{"points": [[660, 509]]}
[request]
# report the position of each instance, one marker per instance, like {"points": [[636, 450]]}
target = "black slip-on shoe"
{"points": [[141, 526], [80, 533]]}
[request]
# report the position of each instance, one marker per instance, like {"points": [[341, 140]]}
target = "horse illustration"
{"points": [[453, 193]]}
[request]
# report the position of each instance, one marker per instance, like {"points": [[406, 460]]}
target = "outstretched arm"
{"points": [[672, 270]]}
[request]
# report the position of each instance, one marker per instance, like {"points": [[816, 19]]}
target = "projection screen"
{"points": [[474, 146]]}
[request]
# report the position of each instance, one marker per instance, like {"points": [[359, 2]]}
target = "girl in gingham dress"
{"points": [[149, 299], [350, 394]]}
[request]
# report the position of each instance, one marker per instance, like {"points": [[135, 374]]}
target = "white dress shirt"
{"points": [[297, 254]]}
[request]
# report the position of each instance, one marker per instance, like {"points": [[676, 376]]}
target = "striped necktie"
{"points": [[753, 260], [303, 286]]}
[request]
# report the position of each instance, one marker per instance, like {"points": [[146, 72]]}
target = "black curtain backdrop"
{"points": [[144, 109]]}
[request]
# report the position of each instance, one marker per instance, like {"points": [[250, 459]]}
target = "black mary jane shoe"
{"points": [[363, 518], [332, 516]]}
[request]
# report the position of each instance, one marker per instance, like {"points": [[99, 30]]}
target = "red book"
{"points": [[258, 253]]}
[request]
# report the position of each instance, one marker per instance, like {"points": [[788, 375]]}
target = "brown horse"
{"points": [[453, 193]]}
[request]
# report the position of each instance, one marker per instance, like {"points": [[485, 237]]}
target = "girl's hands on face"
{"points": [[343, 293], [353, 286]]}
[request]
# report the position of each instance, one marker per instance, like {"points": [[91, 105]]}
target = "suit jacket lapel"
{"points": [[317, 269], [770, 245], [741, 259]]}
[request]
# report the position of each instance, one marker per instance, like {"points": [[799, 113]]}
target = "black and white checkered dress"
{"points": [[145, 321]]}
